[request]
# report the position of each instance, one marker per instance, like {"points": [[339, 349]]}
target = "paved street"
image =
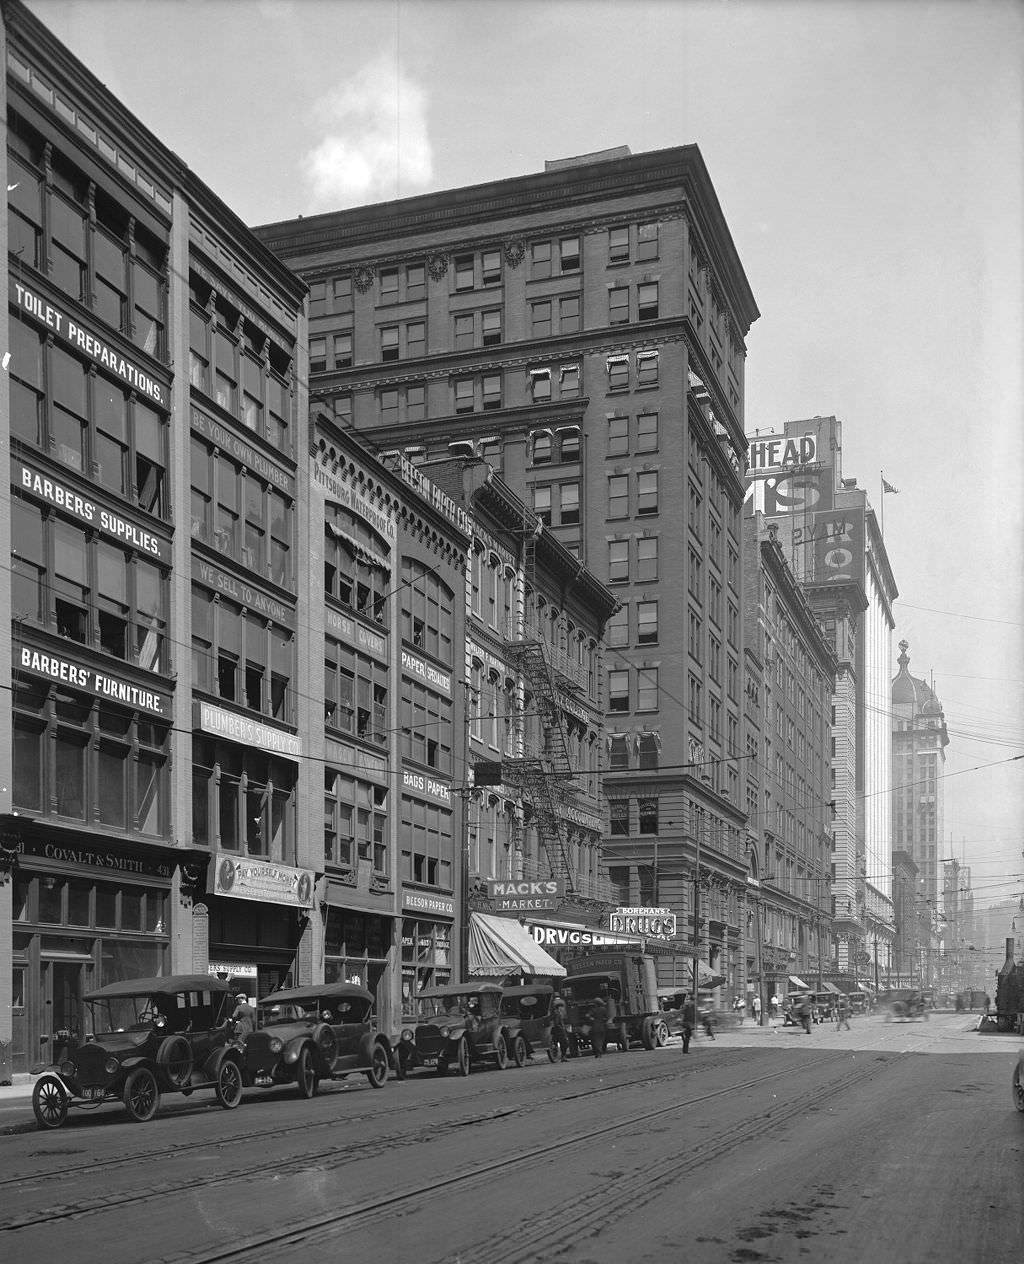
{"points": [[894, 1141]]}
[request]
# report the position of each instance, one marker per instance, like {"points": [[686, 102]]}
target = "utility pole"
{"points": [[696, 908]]}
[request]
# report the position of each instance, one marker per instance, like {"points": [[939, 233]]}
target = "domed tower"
{"points": [[919, 740]]}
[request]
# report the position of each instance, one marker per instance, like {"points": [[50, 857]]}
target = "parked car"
{"points": [[529, 1017], [309, 1034], [460, 1026], [147, 1037]]}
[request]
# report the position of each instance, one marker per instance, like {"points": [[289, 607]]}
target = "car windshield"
{"points": [[456, 1006], [135, 1013], [316, 1009], [531, 1005]]}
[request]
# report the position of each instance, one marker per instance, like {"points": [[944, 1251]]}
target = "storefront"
{"points": [[87, 911], [427, 944], [256, 914]]}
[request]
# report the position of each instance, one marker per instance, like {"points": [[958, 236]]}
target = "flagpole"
{"points": [[881, 503]]}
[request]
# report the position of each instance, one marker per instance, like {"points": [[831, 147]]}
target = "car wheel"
{"points": [[50, 1103], [464, 1061], [519, 1054], [1018, 1090], [306, 1075], [500, 1051], [661, 1035], [623, 1037], [141, 1095], [377, 1073], [554, 1053], [647, 1037], [174, 1058], [399, 1062], [228, 1085]]}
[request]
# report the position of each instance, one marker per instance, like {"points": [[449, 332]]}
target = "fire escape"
{"points": [[544, 776]]}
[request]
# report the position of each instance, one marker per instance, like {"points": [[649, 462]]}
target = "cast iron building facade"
{"points": [[152, 774], [583, 330]]}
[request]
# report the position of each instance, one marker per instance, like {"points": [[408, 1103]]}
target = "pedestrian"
{"points": [[598, 1026], [687, 1028], [803, 1010], [559, 1037], [739, 1008], [842, 1014], [756, 1006], [243, 1016], [774, 1006]]}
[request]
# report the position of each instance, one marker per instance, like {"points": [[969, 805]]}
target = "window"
{"points": [[540, 385], [616, 630], [618, 436], [647, 368], [389, 285], [490, 267], [647, 432], [570, 444], [569, 314], [647, 493], [540, 319], [618, 752], [540, 260], [618, 496], [648, 816], [618, 817], [647, 242], [618, 305], [647, 689], [618, 561], [618, 690], [248, 805], [491, 391], [647, 623], [618, 373], [415, 281], [388, 342], [569, 253], [569, 498], [647, 300], [342, 288], [542, 447], [464, 331], [464, 272], [647, 559], [317, 355], [542, 504], [342, 351], [569, 381], [618, 244], [650, 748]]}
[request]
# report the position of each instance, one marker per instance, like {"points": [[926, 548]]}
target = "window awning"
{"points": [[830, 987], [501, 945], [798, 982]]}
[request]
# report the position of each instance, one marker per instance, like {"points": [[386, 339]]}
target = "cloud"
{"points": [[373, 139]]}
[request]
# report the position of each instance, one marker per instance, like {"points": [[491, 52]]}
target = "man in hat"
{"points": [[243, 1016]]}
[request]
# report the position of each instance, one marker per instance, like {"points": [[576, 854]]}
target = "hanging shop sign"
{"points": [[525, 896], [658, 923], [244, 878]]}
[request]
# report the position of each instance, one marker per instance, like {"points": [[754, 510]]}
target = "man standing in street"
{"points": [[804, 1012], [842, 1013]]}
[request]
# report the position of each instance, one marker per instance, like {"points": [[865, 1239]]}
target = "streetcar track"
{"points": [[324, 1225]]}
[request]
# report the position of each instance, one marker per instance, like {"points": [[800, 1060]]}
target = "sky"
{"points": [[869, 159]]}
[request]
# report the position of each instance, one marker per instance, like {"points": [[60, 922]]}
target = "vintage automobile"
{"points": [[626, 983], [1018, 1082], [676, 1012], [459, 1026], [309, 1034], [904, 1004], [529, 1017], [147, 1037]]}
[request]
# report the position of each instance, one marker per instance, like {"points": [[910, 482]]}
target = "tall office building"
{"points": [[832, 540], [582, 329]]}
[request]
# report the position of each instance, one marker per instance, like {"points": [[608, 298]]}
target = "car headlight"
{"points": [[275, 1045], [67, 1069], [446, 1033], [408, 1034], [111, 1066]]}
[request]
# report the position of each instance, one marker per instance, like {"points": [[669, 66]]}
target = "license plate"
{"points": [[95, 1093], [430, 1061]]}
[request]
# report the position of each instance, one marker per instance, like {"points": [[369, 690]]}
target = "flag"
{"points": [[888, 487]]}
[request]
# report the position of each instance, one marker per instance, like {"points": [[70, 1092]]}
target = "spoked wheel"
{"points": [[500, 1052], [50, 1103], [462, 1066], [228, 1086], [555, 1052], [661, 1035], [519, 1054], [1018, 1088], [174, 1058], [378, 1069], [141, 1095], [305, 1074]]}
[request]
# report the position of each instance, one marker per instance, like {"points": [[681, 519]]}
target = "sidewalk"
{"points": [[22, 1087]]}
